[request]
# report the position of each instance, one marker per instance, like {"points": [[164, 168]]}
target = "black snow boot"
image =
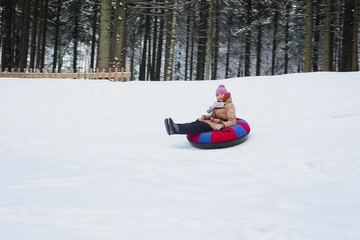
{"points": [[171, 127]]}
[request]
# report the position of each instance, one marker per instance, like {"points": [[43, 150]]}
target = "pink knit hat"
{"points": [[221, 89]]}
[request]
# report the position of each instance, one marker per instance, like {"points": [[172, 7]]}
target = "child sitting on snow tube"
{"points": [[221, 115]]}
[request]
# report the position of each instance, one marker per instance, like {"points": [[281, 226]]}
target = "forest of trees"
{"points": [[181, 39]]}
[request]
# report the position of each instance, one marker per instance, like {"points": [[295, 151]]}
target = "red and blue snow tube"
{"points": [[226, 137]]}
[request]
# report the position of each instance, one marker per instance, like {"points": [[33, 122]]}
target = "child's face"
{"points": [[220, 97]]}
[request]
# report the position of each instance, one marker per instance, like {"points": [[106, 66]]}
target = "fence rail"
{"points": [[112, 74]]}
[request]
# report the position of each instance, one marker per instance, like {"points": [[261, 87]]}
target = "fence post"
{"points": [[122, 74], [115, 75]]}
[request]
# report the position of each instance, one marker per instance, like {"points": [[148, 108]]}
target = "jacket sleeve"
{"points": [[231, 116]]}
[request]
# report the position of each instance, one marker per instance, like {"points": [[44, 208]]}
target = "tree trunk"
{"points": [[33, 45], [105, 35], [94, 33], [57, 35], [201, 53], [308, 36], [160, 46], [16, 40], [347, 36], [187, 45], [327, 60], [76, 37], [149, 63], [248, 38], [142, 75], [171, 45], [25, 34], [228, 44], [287, 39], [355, 66], [132, 60], [210, 38], [40, 33], [240, 71], [7, 55], [259, 38], [192, 51], [43, 39], [119, 38], [316, 40], [132, 54], [227, 63], [154, 46], [217, 41], [274, 42]]}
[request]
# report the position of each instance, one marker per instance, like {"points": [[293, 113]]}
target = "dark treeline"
{"points": [[181, 39]]}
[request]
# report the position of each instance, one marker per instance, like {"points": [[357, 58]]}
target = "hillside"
{"points": [[87, 159]]}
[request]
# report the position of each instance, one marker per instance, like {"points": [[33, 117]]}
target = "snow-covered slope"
{"points": [[85, 159]]}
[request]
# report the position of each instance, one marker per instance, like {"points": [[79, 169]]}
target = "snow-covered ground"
{"points": [[85, 159]]}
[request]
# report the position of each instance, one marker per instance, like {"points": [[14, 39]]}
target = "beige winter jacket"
{"points": [[225, 115]]}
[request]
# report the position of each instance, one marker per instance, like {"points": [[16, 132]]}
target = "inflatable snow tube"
{"points": [[226, 137]]}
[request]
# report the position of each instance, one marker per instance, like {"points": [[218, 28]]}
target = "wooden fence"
{"points": [[112, 74]]}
